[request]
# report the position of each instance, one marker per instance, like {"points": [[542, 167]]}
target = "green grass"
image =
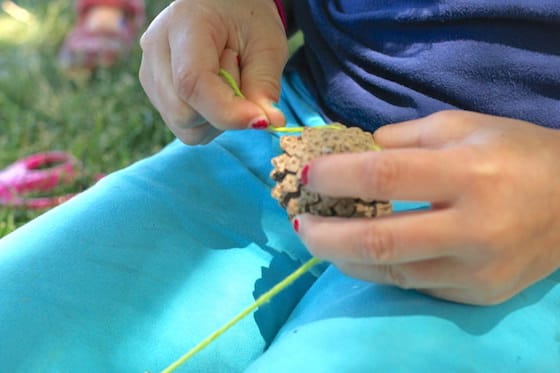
{"points": [[105, 121]]}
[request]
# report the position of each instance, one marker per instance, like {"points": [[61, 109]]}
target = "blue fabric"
{"points": [[137, 270], [372, 62], [345, 325], [132, 273]]}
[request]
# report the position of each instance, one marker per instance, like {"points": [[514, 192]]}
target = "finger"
{"points": [[262, 65], [229, 61], [199, 135], [405, 174], [442, 128], [156, 79], [210, 135], [398, 238], [196, 79], [439, 278], [441, 273], [461, 295]]}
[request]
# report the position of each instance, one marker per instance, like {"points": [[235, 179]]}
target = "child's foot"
{"points": [[104, 33], [104, 18]]}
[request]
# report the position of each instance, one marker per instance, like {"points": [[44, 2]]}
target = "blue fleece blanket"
{"points": [[378, 61]]}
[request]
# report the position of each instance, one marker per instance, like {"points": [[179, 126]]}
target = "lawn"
{"points": [[105, 121]]}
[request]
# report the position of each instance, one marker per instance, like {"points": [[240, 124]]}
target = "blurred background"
{"points": [[103, 118]]}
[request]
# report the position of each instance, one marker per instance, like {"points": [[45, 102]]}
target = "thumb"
{"points": [[261, 71]]}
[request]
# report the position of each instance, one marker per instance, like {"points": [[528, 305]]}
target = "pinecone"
{"points": [[298, 151]]}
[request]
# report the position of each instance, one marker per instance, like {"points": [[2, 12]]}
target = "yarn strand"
{"points": [[237, 91], [264, 298]]}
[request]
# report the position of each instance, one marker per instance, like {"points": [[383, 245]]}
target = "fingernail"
{"points": [[238, 60], [305, 175], [259, 124], [295, 224]]}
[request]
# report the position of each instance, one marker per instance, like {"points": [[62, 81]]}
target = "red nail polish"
{"points": [[238, 60], [305, 174], [295, 224], [260, 124]]}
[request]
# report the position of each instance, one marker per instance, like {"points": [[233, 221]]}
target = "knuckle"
{"points": [[146, 41], [493, 287], [187, 83], [183, 115], [395, 276], [264, 84], [272, 87], [488, 298], [484, 170], [447, 116], [494, 235], [192, 136], [378, 246], [500, 297], [144, 76], [189, 140], [182, 120], [271, 52], [381, 172]]}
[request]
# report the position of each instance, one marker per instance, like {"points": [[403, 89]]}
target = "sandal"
{"points": [[106, 30]]}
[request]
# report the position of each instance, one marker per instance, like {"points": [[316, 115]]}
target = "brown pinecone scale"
{"points": [[300, 150]]}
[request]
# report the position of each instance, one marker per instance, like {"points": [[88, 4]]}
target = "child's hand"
{"points": [[183, 51], [495, 224]]}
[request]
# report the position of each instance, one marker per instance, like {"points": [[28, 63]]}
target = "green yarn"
{"points": [[231, 82], [265, 298]]}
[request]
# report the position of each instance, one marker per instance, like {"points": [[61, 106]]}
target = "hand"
{"points": [[183, 51], [494, 226]]}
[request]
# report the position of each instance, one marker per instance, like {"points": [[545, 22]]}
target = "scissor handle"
{"points": [[39, 172]]}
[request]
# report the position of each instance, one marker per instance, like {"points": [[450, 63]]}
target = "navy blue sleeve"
{"points": [[372, 62]]}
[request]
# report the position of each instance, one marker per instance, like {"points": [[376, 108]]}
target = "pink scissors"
{"points": [[40, 172]]}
